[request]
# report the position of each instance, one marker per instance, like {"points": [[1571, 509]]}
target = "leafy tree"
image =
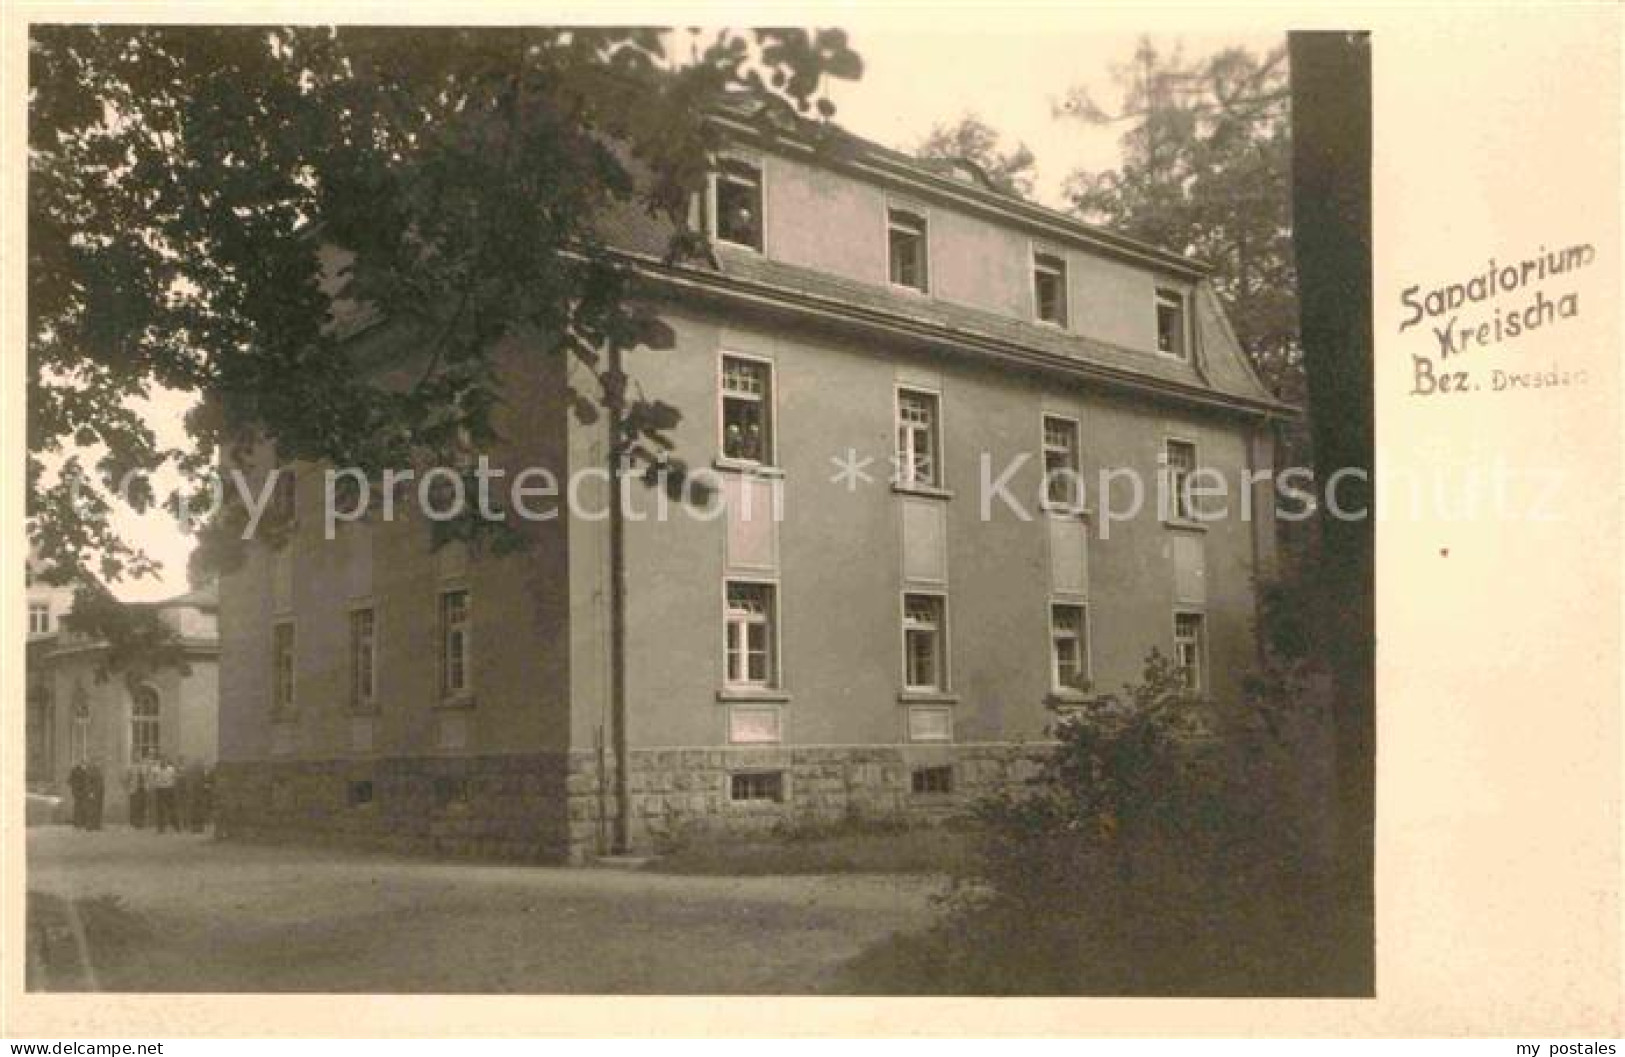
{"points": [[181, 179], [1207, 170], [974, 140]]}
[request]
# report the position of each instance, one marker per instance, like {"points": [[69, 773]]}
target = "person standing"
{"points": [[95, 794], [135, 784], [197, 797], [77, 778], [163, 788]]}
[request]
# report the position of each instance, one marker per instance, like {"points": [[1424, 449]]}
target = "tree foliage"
{"points": [[182, 177], [1206, 170], [974, 140]]}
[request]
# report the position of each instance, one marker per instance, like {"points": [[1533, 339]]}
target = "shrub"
{"points": [[1156, 853]]}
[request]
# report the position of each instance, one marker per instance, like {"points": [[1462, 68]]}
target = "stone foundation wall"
{"points": [[483, 807], [557, 807]]}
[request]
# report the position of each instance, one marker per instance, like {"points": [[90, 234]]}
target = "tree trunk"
{"points": [[1331, 154]]}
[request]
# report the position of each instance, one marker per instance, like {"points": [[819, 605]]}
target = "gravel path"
{"points": [[194, 914]]}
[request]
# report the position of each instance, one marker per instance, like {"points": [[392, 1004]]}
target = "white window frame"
{"points": [[465, 652], [1168, 296], [732, 620], [1181, 506], [713, 202], [769, 409], [1075, 457], [942, 666], [906, 452], [923, 215], [1054, 262], [1085, 657], [363, 702], [284, 668], [39, 618], [1198, 684], [152, 723]]}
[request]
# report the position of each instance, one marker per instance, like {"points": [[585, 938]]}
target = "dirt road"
{"points": [[125, 910]]}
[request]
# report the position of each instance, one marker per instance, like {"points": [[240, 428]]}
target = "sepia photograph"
{"points": [[861, 510]]}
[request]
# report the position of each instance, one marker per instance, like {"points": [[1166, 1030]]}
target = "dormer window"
{"points": [[738, 204], [906, 235], [1049, 289], [1171, 326]]}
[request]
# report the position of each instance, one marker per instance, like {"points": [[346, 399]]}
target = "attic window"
{"points": [[1171, 326], [739, 204], [1049, 289], [906, 235]]}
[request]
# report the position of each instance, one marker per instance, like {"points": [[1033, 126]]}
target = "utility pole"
{"points": [[616, 390]]}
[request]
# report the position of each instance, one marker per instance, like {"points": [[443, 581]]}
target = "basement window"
{"points": [[450, 791], [932, 781], [756, 787]]}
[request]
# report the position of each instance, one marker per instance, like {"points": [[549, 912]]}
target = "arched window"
{"points": [[145, 725]]}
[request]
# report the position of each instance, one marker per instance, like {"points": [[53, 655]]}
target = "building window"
{"points": [[757, 786], [932, 781], [747, 410], [284, 496], [1069, 647], [739, 204], [1049, 289], [1171, 322], [359, 794], [146, 725], [1189, 647], [923, 643], [450, 791], [39, 618], [79, 731], [282, 668], [906, 235], [363, 658], [1062, 473], [454, 643], [1181, 460], [749, 635], [918, 439]]}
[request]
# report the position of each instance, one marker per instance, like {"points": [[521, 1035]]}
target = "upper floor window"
{"points": [[748, 635], [738, 211], [923, 650], [1069, 647], [1062, 474], [747, 410], [39, 618], [906, 239], [363, 658], [918, 439], [1181, 460], [1049, 288], [1189, 648], [1171, 325], [454, 643], [282, 667]]}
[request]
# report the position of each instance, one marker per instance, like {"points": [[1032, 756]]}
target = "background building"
{"points": [[888, 646], [77, 712]]}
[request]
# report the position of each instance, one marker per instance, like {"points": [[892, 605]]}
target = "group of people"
{"points": [[166, 794], [169, 794]]}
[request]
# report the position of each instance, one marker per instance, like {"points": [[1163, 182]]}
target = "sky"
{"points": [[913, 79]]}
